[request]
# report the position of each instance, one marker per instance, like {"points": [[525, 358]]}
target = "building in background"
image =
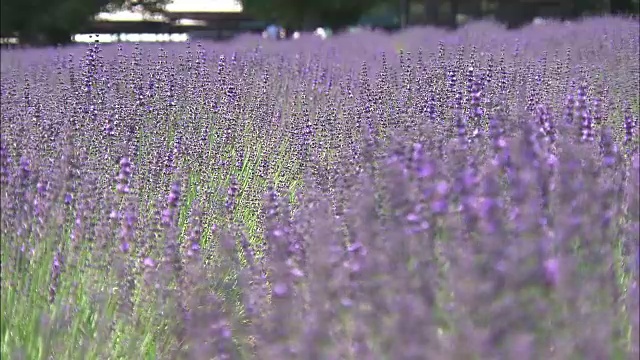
{"points": [[193, 19]]}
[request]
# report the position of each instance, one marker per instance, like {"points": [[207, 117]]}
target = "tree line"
{"points": [[308, 14], [518, 12], [53, 21]]}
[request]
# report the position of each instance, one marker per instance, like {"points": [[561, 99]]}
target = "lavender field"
{"points": [[422, 195]]}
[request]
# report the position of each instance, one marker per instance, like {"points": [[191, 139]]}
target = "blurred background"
{"points": [[51, 22]]}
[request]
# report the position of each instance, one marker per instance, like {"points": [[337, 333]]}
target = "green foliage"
{"points": [[308, 14]]}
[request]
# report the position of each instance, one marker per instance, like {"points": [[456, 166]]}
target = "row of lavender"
{"points": [[423, 195]]}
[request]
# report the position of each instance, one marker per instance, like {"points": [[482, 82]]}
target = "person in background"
{"points": [[272, 32]]}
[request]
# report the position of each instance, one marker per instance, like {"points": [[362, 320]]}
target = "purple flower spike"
{"points": [[173, 199], [148, 262], [124, 176], [552, 271]]}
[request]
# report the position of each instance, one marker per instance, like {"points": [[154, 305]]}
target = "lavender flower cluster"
{"points": [[425, 195]]}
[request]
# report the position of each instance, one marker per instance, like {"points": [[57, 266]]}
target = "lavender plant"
{"points": [[421, 195]]}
